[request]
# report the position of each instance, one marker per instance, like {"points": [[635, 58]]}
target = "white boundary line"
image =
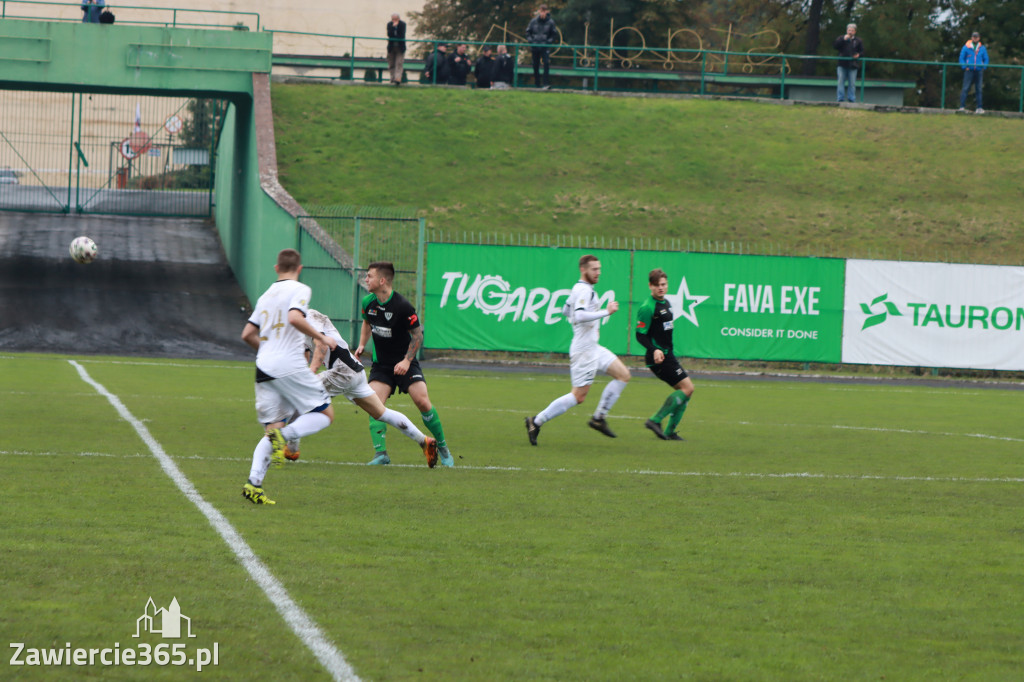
{"points": [[300, 623], [806, 475]]}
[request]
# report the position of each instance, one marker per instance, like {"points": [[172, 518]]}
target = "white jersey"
{"points": [[281, 344], [584, 334], [323, 324]]}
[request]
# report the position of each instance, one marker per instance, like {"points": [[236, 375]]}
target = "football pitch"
{"points": [[803, 531]]}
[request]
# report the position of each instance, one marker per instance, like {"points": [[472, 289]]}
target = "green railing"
{"points": [[129, 14], [696, 71]]}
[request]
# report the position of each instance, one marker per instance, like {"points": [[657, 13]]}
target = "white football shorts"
{"points": [[583, 367], [280, 398], [343, 380]]}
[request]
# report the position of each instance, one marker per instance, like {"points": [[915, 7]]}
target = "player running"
{"points": [[586, 356], [284, 385], [654, 332]]}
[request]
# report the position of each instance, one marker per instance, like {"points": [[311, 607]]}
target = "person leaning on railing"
{"points": [[435, 68], [396, 48]]}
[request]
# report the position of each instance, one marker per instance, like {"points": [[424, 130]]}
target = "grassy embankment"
{"points": [[780, 179]]}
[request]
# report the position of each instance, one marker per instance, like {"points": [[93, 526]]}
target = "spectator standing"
{"points": [[484, 68], [541, 33], [973, 60], [396, 48], [851, 49], [91, 10], [459, 66], [504, 69], [435, 69]]}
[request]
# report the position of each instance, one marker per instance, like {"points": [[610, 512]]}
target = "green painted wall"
{"points": [[61, 56]]}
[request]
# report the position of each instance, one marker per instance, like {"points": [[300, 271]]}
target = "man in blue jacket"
{"points": [[973, 60]]}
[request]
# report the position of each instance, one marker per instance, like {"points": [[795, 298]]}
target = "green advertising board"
{"points": [[749, 307], [510, 298]]}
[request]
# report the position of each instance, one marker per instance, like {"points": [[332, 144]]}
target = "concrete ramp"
{"points": [[161, 287]]}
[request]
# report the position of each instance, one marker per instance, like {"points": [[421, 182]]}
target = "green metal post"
{"points": [[942, 103], [78, 169], [597, 70], [1020, 102], [355, 284], [782, 87], [703, 69], [420, 264], [352, 61]]}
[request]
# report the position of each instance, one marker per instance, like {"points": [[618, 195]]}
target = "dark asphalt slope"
{"points": [[161, 287]]}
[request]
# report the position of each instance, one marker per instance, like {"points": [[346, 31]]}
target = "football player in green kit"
{"points": [[654, 332], [397, 337]]}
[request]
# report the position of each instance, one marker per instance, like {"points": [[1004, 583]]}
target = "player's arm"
{"points": [[643, 334], [320, 351], [299, 321], [364, 338], [582, 315], [251, 335], [415, 343]]}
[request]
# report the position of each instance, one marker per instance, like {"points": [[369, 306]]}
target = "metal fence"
{"points": [[357, 237], [132, 14], [102, 153], [687, 70]]}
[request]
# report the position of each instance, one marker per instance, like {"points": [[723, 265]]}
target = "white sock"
{"points": [[260, 461], [557, 407], [306, 425], [402, 423], [610, 394]]}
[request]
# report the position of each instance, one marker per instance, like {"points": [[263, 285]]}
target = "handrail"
{"points": [[122, 20], [675, 60]]}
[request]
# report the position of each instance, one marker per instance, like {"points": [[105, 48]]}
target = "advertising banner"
{"points": [[510, 298], [749, 307], [934, 315]]}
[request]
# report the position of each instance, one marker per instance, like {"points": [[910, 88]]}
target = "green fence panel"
{"points": [[750, 307], [510, 298]]}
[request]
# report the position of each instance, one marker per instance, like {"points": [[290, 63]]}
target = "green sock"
{"points": [[378, 430], [433, 424], [677, 414], [669, 406]]}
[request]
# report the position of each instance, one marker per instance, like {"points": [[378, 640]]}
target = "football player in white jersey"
{"points": [[284, 384], [344, 375], [586, 356]]}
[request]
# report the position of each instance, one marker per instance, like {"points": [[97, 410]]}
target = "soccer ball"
{"points": [[83, 250]]}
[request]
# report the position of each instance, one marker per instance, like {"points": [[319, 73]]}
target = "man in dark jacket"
{"points": [[435, 69], [851, 49], [504, 68], [458, 66], [541, 34], [396, 48], [484, 68]]}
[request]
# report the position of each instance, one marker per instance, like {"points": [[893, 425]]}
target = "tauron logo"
{"points": [[873, 318]]}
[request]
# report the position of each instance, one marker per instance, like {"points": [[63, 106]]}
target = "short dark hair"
{"points": [[588, 259], [288, 260], [385, 269], [656, 276]]}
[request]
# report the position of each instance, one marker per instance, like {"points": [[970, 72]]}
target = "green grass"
{"points": [[819, 180], [805, 531]]}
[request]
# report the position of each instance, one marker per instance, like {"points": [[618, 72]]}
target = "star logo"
{"points": [[686, 303]]}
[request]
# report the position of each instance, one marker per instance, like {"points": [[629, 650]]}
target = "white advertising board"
{"points": [[934, 315]]}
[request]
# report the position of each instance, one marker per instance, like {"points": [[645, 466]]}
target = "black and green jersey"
{"points": [[390, 324], [654, 327]]}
